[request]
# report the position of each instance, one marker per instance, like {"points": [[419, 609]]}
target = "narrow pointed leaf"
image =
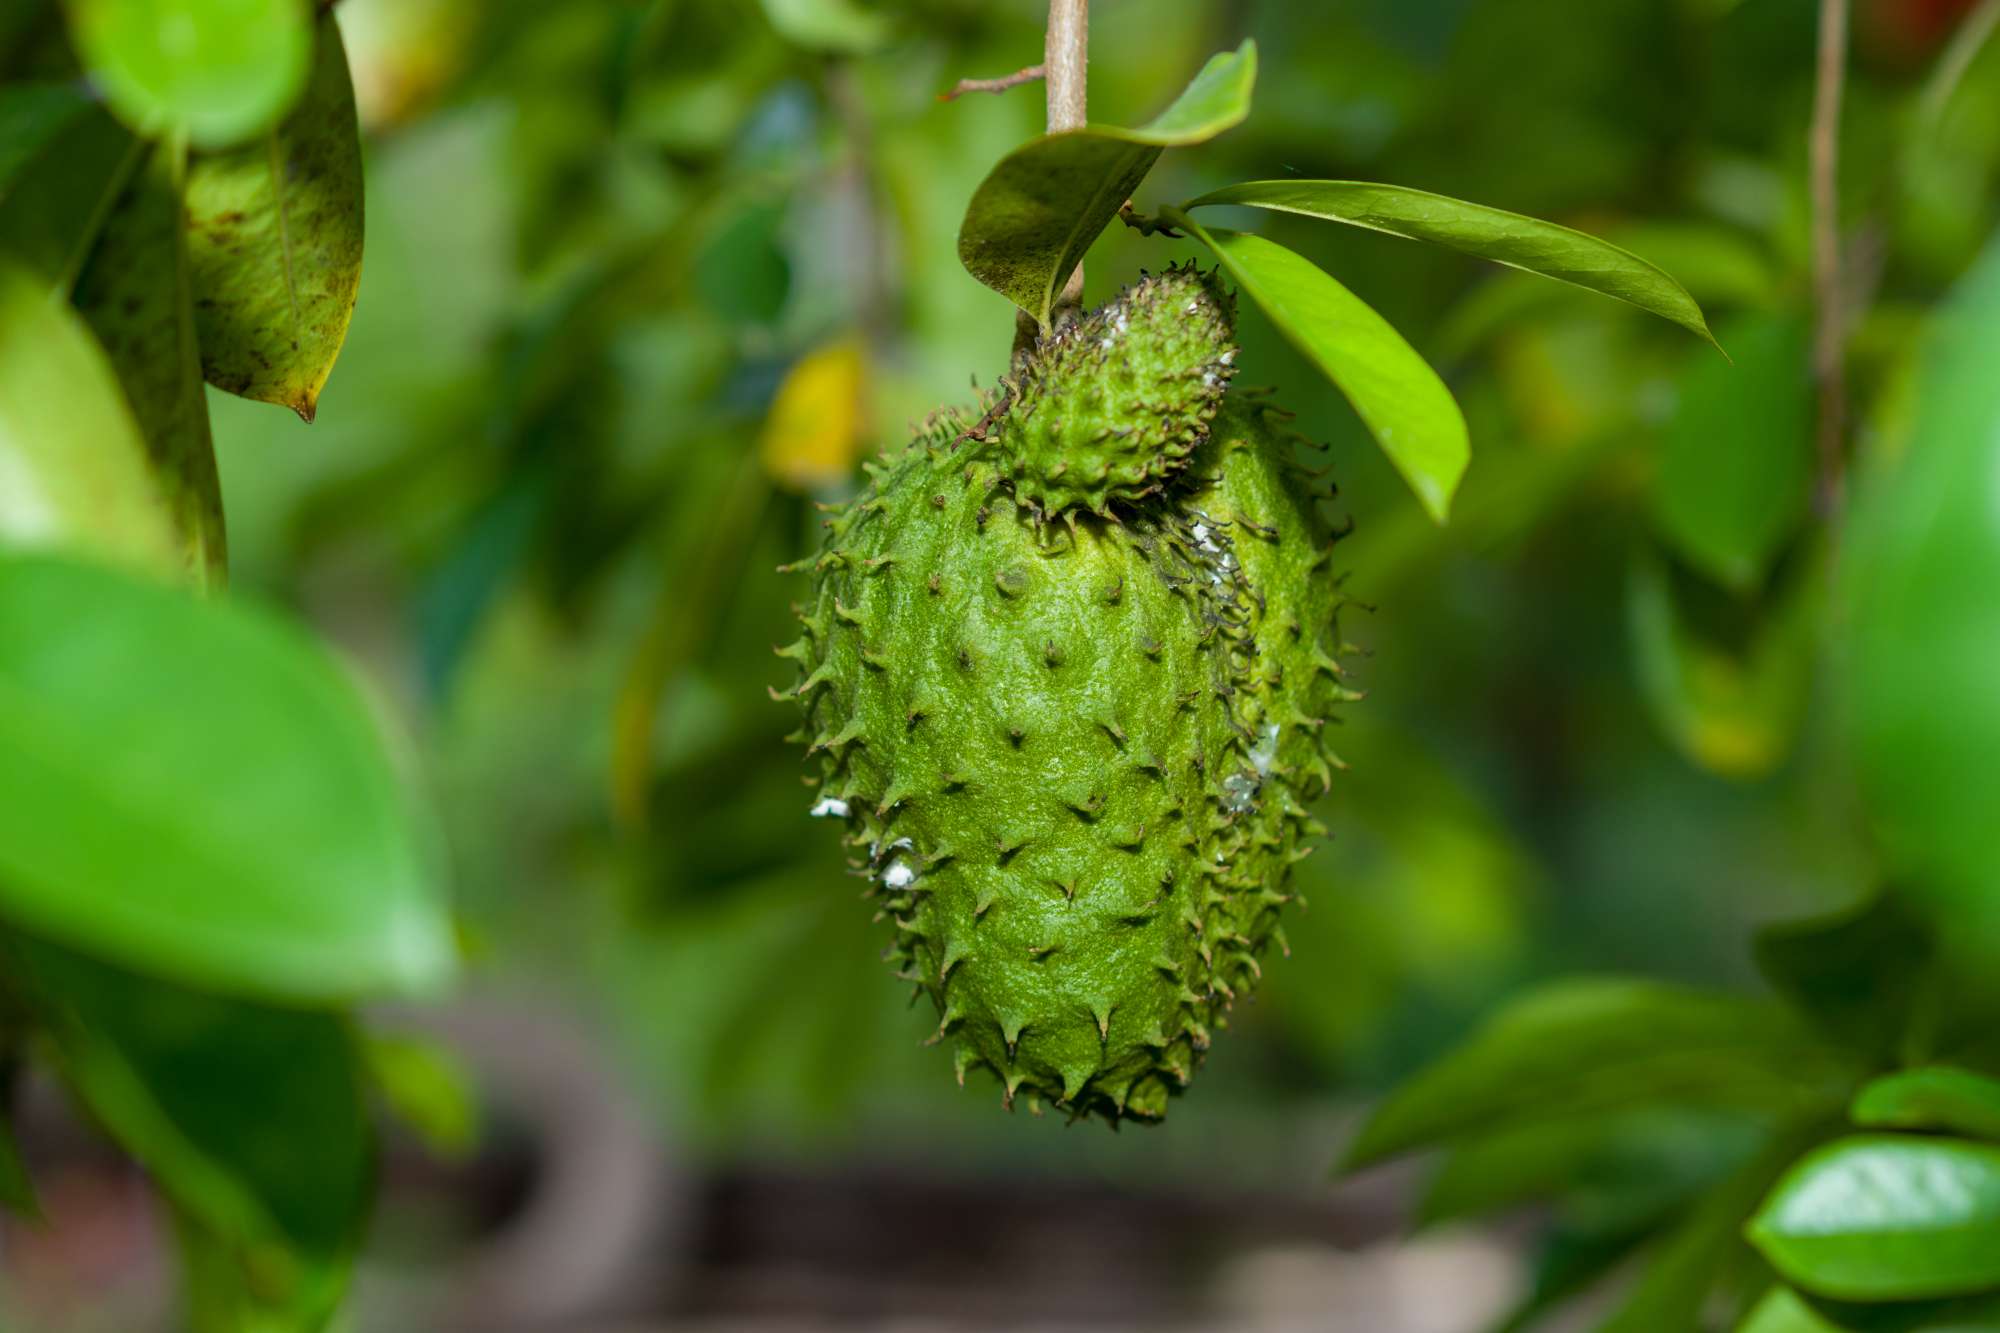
{"points": [[1037, 212], [136, 296], [1507, 238], [1586, 1048], [221, 70], [74, 471], [196, 790], [1885, 1217], [274, 240], [1405, 406], [1936, 1098]]}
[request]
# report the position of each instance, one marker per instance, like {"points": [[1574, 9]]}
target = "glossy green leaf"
{"points": [[1938, 1097], [1490, 233], [1922, 574], [222, 70], [1591, 1047], [1886, 1217], [1405, 406], [1733, 709], [225, 816], [1736, 459], [275, 239], [828, 25], [136, 295], [1037, 212], [73, 467], [66, 162], [1856, 973], [252, 1120]]}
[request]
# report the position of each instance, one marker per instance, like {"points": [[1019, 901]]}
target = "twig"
{"points": [[999, 85], [1829, 330], [1966, 44], [1065, 63]]}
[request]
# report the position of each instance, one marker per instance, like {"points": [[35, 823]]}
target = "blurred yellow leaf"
{"points": [[819, 418]]}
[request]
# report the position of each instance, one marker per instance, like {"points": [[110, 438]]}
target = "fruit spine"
{"points": [[1076, 758]]}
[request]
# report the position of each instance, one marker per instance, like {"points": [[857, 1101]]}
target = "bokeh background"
{"points": [[645, 280]]}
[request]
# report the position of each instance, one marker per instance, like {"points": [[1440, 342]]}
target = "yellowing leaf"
{"points": [[274, 241], [819, 418]]}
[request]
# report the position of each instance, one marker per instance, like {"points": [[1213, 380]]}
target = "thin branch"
{"points": [[1065, 62], [1830, 325], [1966, 44], [999, 85], [1066, 55]]}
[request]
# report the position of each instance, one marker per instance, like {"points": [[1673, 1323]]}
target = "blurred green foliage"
{"points": [[546, 491]]}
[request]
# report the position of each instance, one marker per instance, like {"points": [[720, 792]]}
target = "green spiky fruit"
{"points": [[1076, 759], [1113, 405]]}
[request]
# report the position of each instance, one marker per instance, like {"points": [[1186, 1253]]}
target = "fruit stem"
{"points": [[1829, 331], [1065, 65]]}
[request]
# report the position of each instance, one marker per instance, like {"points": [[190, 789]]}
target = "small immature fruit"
{"points": [[1075, 733]]}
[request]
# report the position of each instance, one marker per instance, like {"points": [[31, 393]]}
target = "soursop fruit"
{"points": [[1066, 669]]}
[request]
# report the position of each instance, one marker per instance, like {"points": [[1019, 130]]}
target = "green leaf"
{"points": [[1939, 1097], [221, 70], [1405, 406], [1605, 1173], [252, 1120], [828, 25], [1490, 233], [1598, 1046], [428, 1088], [275, 238], [54, 204], [1783, 1311], [73, 466], [1856, 972], [1674, 1288], [136, 296], [1788, 1311], [194, 789], [1885, 1217], [1922, 574], [1733, 709], [33, 116], [1037, 212], [1737, 457]]}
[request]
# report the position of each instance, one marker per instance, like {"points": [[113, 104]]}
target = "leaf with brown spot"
{"points": [[274, 244], [136, 294]]}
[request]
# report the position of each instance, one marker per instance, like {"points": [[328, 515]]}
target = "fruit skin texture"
{"points": [[1111, 406], [1076, 759]]}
